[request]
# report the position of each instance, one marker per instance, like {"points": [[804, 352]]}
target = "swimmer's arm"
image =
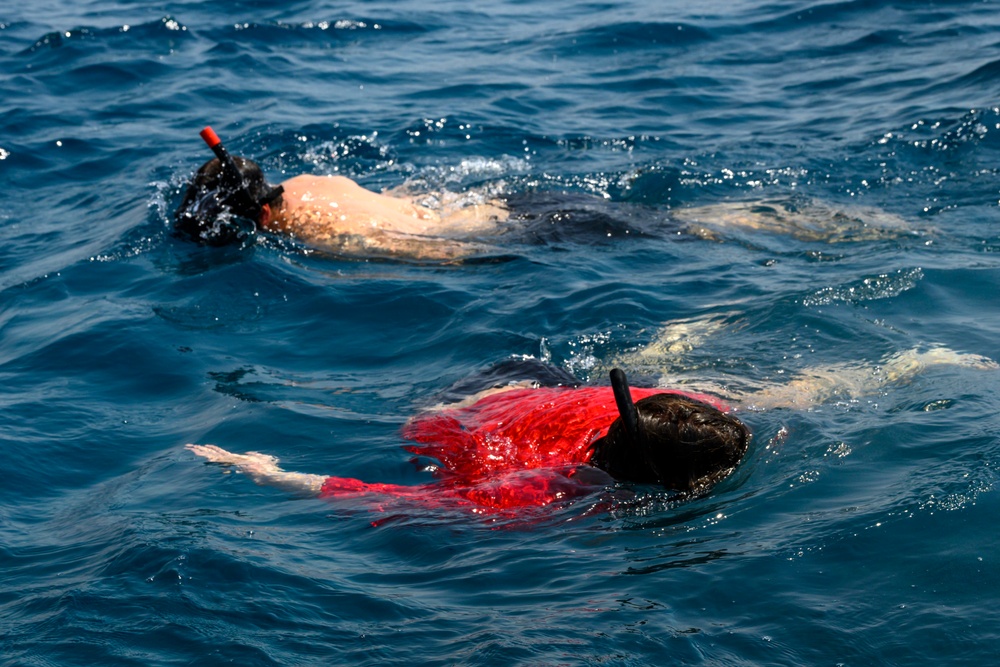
{"points": [[383, 243], [428, 246], [474, 398], [667, 353], [854, 381], [263, 470]]}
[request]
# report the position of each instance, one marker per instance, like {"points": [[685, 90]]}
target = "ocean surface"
{"points": [[860, 530]]}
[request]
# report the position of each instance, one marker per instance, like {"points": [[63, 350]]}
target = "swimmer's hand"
{"points": [[251, 462], [263, 469]]}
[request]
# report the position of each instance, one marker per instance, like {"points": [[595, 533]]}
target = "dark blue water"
{"points": [[857, 532]]}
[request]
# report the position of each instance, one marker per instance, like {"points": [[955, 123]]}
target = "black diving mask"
{"points": [[238, 193]]}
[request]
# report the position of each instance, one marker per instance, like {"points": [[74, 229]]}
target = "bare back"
{"points": [[337, 213]]}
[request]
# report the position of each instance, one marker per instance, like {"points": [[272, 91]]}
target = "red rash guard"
{"points": [[512, 449]]}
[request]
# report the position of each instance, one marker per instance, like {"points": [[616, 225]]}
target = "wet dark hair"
{"points": [[217, 209], [676, 441]]}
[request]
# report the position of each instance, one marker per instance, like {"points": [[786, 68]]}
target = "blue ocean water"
{"points": [[857, 532]]}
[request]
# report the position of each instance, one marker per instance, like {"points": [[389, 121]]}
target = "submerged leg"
{"points": [[903, 366], [803, 219], [853, 381]]}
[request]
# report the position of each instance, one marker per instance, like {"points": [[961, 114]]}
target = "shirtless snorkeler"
{"points": [[229, 198], [328, 212]]}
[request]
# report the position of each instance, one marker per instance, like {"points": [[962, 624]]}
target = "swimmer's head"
{"points": [[225, 201], [671, 440]]}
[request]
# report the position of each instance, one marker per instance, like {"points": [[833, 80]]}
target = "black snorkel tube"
{"points": [[233, 177], [637, 444], [626, 406]]}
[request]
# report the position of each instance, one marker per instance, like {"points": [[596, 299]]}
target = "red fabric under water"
{"points": [[518, 448]]}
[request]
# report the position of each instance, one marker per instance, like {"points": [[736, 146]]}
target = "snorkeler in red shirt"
{"points": [[525, 434], [517, 446]]}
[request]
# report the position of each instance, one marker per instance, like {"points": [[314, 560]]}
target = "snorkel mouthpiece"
{"points": [[626, 406]]}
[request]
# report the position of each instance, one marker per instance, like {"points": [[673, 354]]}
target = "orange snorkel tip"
{"points": [[210, 137], [213, 141]]}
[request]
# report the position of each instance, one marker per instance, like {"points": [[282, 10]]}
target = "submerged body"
{"points": [[337, 215]]}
